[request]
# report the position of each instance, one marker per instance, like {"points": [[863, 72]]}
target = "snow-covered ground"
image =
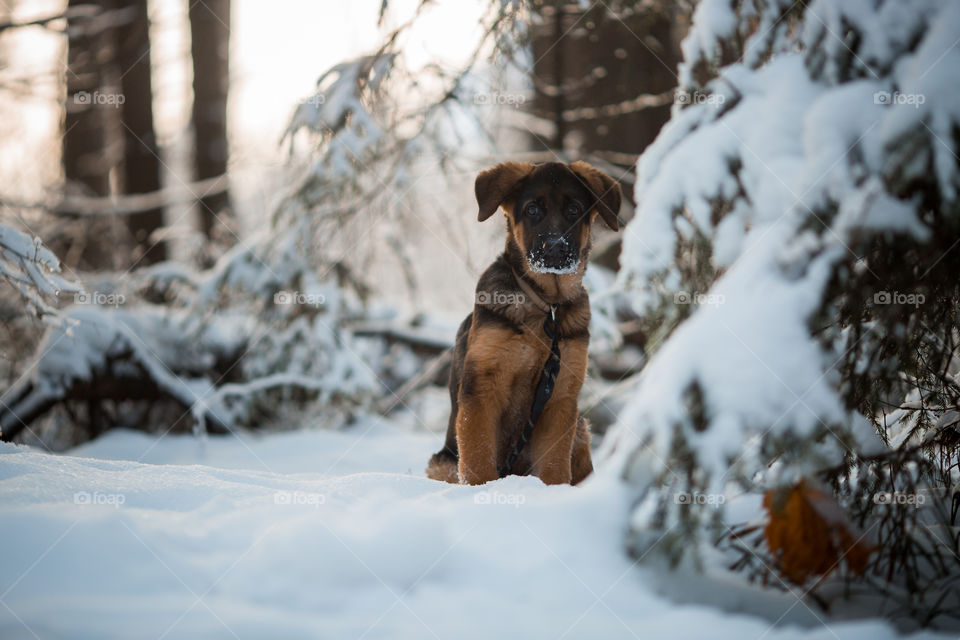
{"points": [[320, 534]]}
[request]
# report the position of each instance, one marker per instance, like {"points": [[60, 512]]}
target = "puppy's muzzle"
{"points": [[554, 253]]}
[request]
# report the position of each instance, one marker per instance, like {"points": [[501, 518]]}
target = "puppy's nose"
{"points": [[552, 241]]}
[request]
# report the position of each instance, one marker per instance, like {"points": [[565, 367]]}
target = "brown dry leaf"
{"points": [[809, 534]]}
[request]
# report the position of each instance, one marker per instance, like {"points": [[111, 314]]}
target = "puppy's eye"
{"points": [[573, 210], [532, 210]]}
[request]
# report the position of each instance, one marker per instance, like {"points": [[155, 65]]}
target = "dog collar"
{"points": [[539, 302]]}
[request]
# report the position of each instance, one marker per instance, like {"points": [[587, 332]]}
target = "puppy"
{"points": [[503, 346]]}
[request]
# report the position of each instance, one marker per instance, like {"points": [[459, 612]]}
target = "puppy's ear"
{"points": [[495, 186], [604, 188]]}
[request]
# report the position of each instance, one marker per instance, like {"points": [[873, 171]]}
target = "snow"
{"points": [[537, 265], [32, 269], [335, 534], [931, 76], [336, 109], [887, 30], [763, 132], [734, 350], [715, 23], [780, 177], [93, 339]]}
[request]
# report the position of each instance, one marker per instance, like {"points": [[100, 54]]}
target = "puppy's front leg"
{"points": [[552, 443], [478, 422]]}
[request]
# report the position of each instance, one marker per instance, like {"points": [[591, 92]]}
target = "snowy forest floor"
{"points": [[338, 534]]}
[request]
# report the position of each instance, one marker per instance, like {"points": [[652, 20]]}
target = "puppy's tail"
{"points": [[443, 467]]}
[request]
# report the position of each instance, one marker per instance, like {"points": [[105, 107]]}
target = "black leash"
{"points": [[544, 389]]}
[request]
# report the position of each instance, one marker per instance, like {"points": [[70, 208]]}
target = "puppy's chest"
{"points": [[530, 349], [523, 350]]}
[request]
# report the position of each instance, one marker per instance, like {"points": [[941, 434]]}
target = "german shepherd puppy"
{"points": [[502, 346]]}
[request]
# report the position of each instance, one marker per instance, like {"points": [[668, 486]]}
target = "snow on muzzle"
{"points": [[554, 253]]}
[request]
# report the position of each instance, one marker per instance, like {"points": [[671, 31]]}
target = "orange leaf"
{"points": [[809, 534]]}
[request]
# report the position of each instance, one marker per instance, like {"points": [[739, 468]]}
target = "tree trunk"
{"points": [[558, 74], [92, 147], [604, 56], [86, 154], [210, 46], [141, 167]]}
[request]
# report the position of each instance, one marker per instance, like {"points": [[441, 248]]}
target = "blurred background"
{"points": [[189, 162]]}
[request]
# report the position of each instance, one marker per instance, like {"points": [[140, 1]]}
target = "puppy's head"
{"points": [[549, 208]]}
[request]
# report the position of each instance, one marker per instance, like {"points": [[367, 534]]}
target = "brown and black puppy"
{"points": [[502, 346]]}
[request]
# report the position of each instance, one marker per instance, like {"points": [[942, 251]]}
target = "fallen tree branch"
{"points": [[125, 205], [418, 340], [28, 402], [426, 377]]}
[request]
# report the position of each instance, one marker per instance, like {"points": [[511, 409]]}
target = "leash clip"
{"points": [[553, 312]]}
